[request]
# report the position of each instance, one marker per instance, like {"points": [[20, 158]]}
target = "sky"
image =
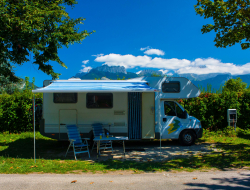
{"points": [[143, 34]]}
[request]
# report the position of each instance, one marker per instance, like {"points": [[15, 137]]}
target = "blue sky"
{"points": [[143, 34]]}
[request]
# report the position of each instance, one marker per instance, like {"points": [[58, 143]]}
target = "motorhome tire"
{"points": [[187, 138]]}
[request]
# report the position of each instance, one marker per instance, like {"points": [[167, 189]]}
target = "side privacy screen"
{"points": [[99, 100], [65, 97]]}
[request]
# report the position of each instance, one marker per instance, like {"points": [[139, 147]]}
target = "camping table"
{"points": [[110, 139]]}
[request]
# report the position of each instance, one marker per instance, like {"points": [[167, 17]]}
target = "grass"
{"points": [[16, 156]]}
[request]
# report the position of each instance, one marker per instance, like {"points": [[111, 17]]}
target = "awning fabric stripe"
{"points": [[95, 86]]}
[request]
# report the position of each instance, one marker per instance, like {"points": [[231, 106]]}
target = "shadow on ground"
{"points": [[244, 135], [135, 150], [240, 183], [141, 155], [24, 148]]}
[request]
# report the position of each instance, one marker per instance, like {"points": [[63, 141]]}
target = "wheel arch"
{"points": [[187, 129]]}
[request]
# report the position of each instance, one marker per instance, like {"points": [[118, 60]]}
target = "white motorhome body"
{"points": [[140, 108]]}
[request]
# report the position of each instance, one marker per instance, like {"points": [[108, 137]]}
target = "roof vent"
{"points": [[74, 79], [105, 78]]}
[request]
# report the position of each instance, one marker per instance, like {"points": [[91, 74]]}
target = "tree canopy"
{"points": [[235, 85], [7, 74], [39, 27], [231, 21]]}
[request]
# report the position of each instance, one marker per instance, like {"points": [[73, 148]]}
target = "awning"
{"points": [[95, 86]]}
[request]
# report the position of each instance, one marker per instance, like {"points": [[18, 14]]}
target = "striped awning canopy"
{"points": [[68, 86]]}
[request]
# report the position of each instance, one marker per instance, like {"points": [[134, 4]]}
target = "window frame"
{"points": [[175, 109], [75, 94], [93, 93], [177, 82]]}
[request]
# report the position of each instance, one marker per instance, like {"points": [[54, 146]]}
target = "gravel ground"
{"points": [[238, 179], [145, 151]]}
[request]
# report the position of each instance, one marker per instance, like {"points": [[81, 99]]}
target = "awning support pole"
{"points": [[160, 145], [34, 119]]}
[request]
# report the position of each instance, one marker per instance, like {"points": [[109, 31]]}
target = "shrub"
{"points": [[16, 113], [211, 109]]}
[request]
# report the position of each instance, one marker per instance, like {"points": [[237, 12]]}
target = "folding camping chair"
{"points": [[97, 130], [76, 141]]}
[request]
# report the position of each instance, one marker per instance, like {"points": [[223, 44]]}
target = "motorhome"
{"points": [[140, 108]]}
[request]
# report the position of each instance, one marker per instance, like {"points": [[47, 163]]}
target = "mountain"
{"points": [[215, 80], [113, 72], [190, 76], [95, 74], [195, 77], [149, 72], [219, 80], [111, 69], [17, 86]]}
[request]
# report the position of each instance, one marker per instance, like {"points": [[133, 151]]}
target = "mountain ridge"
{"points": [[216, 80]]}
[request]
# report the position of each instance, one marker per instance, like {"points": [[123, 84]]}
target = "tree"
{"points": [[235, 85], [7, 74], [231, 21], [155, 75], [37, 26]]}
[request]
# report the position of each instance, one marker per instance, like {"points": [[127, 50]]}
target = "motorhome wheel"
{"points": [[187, 138]]}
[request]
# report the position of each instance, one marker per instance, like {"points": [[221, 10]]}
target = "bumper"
{"points": [[199, 132]]}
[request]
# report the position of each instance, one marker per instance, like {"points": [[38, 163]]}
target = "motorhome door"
{"points": [[67, 117], [148, 119], [173, 119]]}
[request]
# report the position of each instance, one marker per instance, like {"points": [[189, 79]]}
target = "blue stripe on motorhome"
{"points": [[134, 115]]}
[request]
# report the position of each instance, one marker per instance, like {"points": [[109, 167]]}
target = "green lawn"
{"points": [[16, 156]]}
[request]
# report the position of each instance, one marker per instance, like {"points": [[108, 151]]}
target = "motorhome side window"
{"points": [[173, 109], [171, 87], [99, 100], [169, 108], [65, 97]]}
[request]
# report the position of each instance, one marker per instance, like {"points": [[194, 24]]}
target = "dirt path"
{"points": [[145, 151]]}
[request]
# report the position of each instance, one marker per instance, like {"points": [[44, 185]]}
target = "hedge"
{"points": [[16, 113], [211, 109]]}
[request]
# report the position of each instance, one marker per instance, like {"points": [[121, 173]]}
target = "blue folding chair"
{"points": [[99, 130], [76, 141]]}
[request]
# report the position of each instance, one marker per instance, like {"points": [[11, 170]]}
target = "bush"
{"points": [[211, 109], [16, 113]]}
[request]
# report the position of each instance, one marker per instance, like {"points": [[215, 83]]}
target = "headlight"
{"points": [[198, 125]]}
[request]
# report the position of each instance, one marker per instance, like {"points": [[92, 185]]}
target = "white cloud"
{"points": [[210, 65], [181, 66], [138, 72], [131, 61], [85, 61], [145, 48], [151, 51], [98, 55], [154, 52], [164, 71], [128, 61], [85, 69]]}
